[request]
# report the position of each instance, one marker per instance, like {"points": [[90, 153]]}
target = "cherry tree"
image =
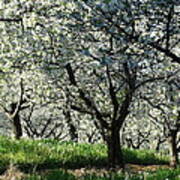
{"points": [[101, 53], [107, 68], [165, 112]]}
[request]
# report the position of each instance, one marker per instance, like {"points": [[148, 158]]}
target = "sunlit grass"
{"points": [[48, 154]]}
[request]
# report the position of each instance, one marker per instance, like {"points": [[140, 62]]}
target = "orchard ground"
{"points": [[54, 160]]}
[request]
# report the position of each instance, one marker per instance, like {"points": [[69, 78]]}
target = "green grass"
{"points": [[32, 155], [144, 157], [62, 175], [165, 175], [55, 175], [27, 154], [48, 154]]}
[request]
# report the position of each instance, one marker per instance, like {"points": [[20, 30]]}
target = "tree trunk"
{"points": [[173, 149], [115, 156], [73, 133], [72, 129], [17, 127]]}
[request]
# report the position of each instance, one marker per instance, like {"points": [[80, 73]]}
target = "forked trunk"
{"points": [[17, 127], [115, 155]]}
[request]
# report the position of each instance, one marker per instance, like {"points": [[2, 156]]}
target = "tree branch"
{"points": [[87, 100], [11, 19], [112, 93]]}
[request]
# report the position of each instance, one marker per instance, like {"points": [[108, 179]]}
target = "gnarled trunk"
{"points": [[17, 127], [115, 156], [72, 129], [73, 133], [173, 148]]}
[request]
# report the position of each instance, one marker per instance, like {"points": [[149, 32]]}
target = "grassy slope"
{"points": [[29, 155], [51, 153]]}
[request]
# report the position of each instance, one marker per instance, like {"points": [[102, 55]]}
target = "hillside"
{"points": [[51, 159]]}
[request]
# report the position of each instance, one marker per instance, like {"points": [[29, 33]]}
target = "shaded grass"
{"points": [[63, 175], [32, 155], [144, 157], [162, 174]]}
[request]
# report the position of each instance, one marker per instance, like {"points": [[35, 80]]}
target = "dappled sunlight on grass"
{"points": [[87, 161]]}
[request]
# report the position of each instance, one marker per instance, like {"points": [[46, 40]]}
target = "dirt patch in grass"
{"points": [[131, 168], [141, 168], [12, 174]]}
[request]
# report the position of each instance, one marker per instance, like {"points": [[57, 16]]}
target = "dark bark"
{"points": [[115, 156], [72, 129], [160, 141], [16, 121], [109, 126], [73, 133], [11, 20], [13, 113], [173, 148], [67, 112], [17, 127]]}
